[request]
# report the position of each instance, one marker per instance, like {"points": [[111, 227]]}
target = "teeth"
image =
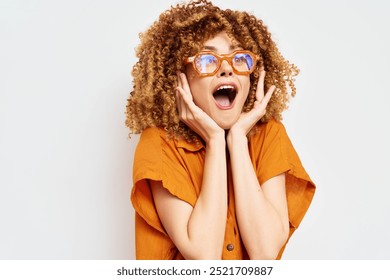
{"points": [[225, 87]]}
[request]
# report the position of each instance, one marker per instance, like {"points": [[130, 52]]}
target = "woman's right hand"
{"points": [[193, 116]]}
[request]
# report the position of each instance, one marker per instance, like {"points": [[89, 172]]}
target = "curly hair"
{"points": [[180, 32]]}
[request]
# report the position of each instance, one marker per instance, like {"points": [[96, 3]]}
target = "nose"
{"points": [[225, 69]]}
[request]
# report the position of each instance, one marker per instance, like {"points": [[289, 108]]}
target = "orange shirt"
{"points": [[179, 166]]}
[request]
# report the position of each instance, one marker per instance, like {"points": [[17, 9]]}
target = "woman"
{"points": [[215, 174]]}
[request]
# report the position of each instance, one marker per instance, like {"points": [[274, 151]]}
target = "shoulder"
{"points": [[151, 135], [152, 139], [149, 149], [156, 145], [271, 127], [267, 132], [155, 138]]}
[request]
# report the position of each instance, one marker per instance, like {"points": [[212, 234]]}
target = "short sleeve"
{"points": [[273, 154], [158, 158]]}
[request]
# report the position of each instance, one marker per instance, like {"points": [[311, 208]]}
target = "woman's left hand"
{"points": [[247, 120]]}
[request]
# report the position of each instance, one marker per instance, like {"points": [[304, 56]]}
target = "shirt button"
{"points": [[230, 247]]}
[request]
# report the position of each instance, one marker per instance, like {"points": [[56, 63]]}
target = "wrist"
{"points": [[217, 140], [236, 138]]}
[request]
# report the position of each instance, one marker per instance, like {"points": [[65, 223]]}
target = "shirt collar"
{"points": [[192, 147]]}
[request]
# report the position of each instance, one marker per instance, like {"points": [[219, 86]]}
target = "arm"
{"points": [[198, 232], [261, 211]]}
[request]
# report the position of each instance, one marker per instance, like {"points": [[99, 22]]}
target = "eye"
{"points": [[208, 59], [206, 63], [243, 61], [239, 59]]}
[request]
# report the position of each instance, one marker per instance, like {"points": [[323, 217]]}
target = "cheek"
{"points": [[191, 74], [196, 88], [247, 83], [246, 87]]}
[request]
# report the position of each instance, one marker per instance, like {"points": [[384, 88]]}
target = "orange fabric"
{"points": [[179, 166]]}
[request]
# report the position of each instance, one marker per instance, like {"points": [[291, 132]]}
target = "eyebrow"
{"points": [[232, 47]]}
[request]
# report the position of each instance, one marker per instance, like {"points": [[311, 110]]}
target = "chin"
{"points": [[226, 123], [225, 126]]}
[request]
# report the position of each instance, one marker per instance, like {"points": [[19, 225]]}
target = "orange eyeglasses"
{"points": [[207, 63]]}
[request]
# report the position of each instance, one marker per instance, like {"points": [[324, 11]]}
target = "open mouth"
{"points": [[224, 96]]}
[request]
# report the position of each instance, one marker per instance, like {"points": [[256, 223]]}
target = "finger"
{"points": [[260, 85], [269, 93], [177, 94], [187, 101], [185, 92], [258, 111], [179, 103], [185, 85], [179, 83], [268, 96]]}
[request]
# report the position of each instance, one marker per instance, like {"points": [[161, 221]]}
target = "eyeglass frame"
{"points": [[220, 59]]}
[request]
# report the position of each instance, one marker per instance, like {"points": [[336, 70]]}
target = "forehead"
{"points": [[221, 42]]}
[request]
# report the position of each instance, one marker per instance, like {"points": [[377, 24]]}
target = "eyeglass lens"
{"points": [[208, 63]]}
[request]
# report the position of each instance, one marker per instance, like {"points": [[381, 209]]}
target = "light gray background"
{"points": [[65, 156]]}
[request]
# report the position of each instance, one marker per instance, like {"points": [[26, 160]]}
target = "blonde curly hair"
{"points": [[180, 32]]}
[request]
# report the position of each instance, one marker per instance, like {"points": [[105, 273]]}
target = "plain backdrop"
{"points": [[66, 158]]}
